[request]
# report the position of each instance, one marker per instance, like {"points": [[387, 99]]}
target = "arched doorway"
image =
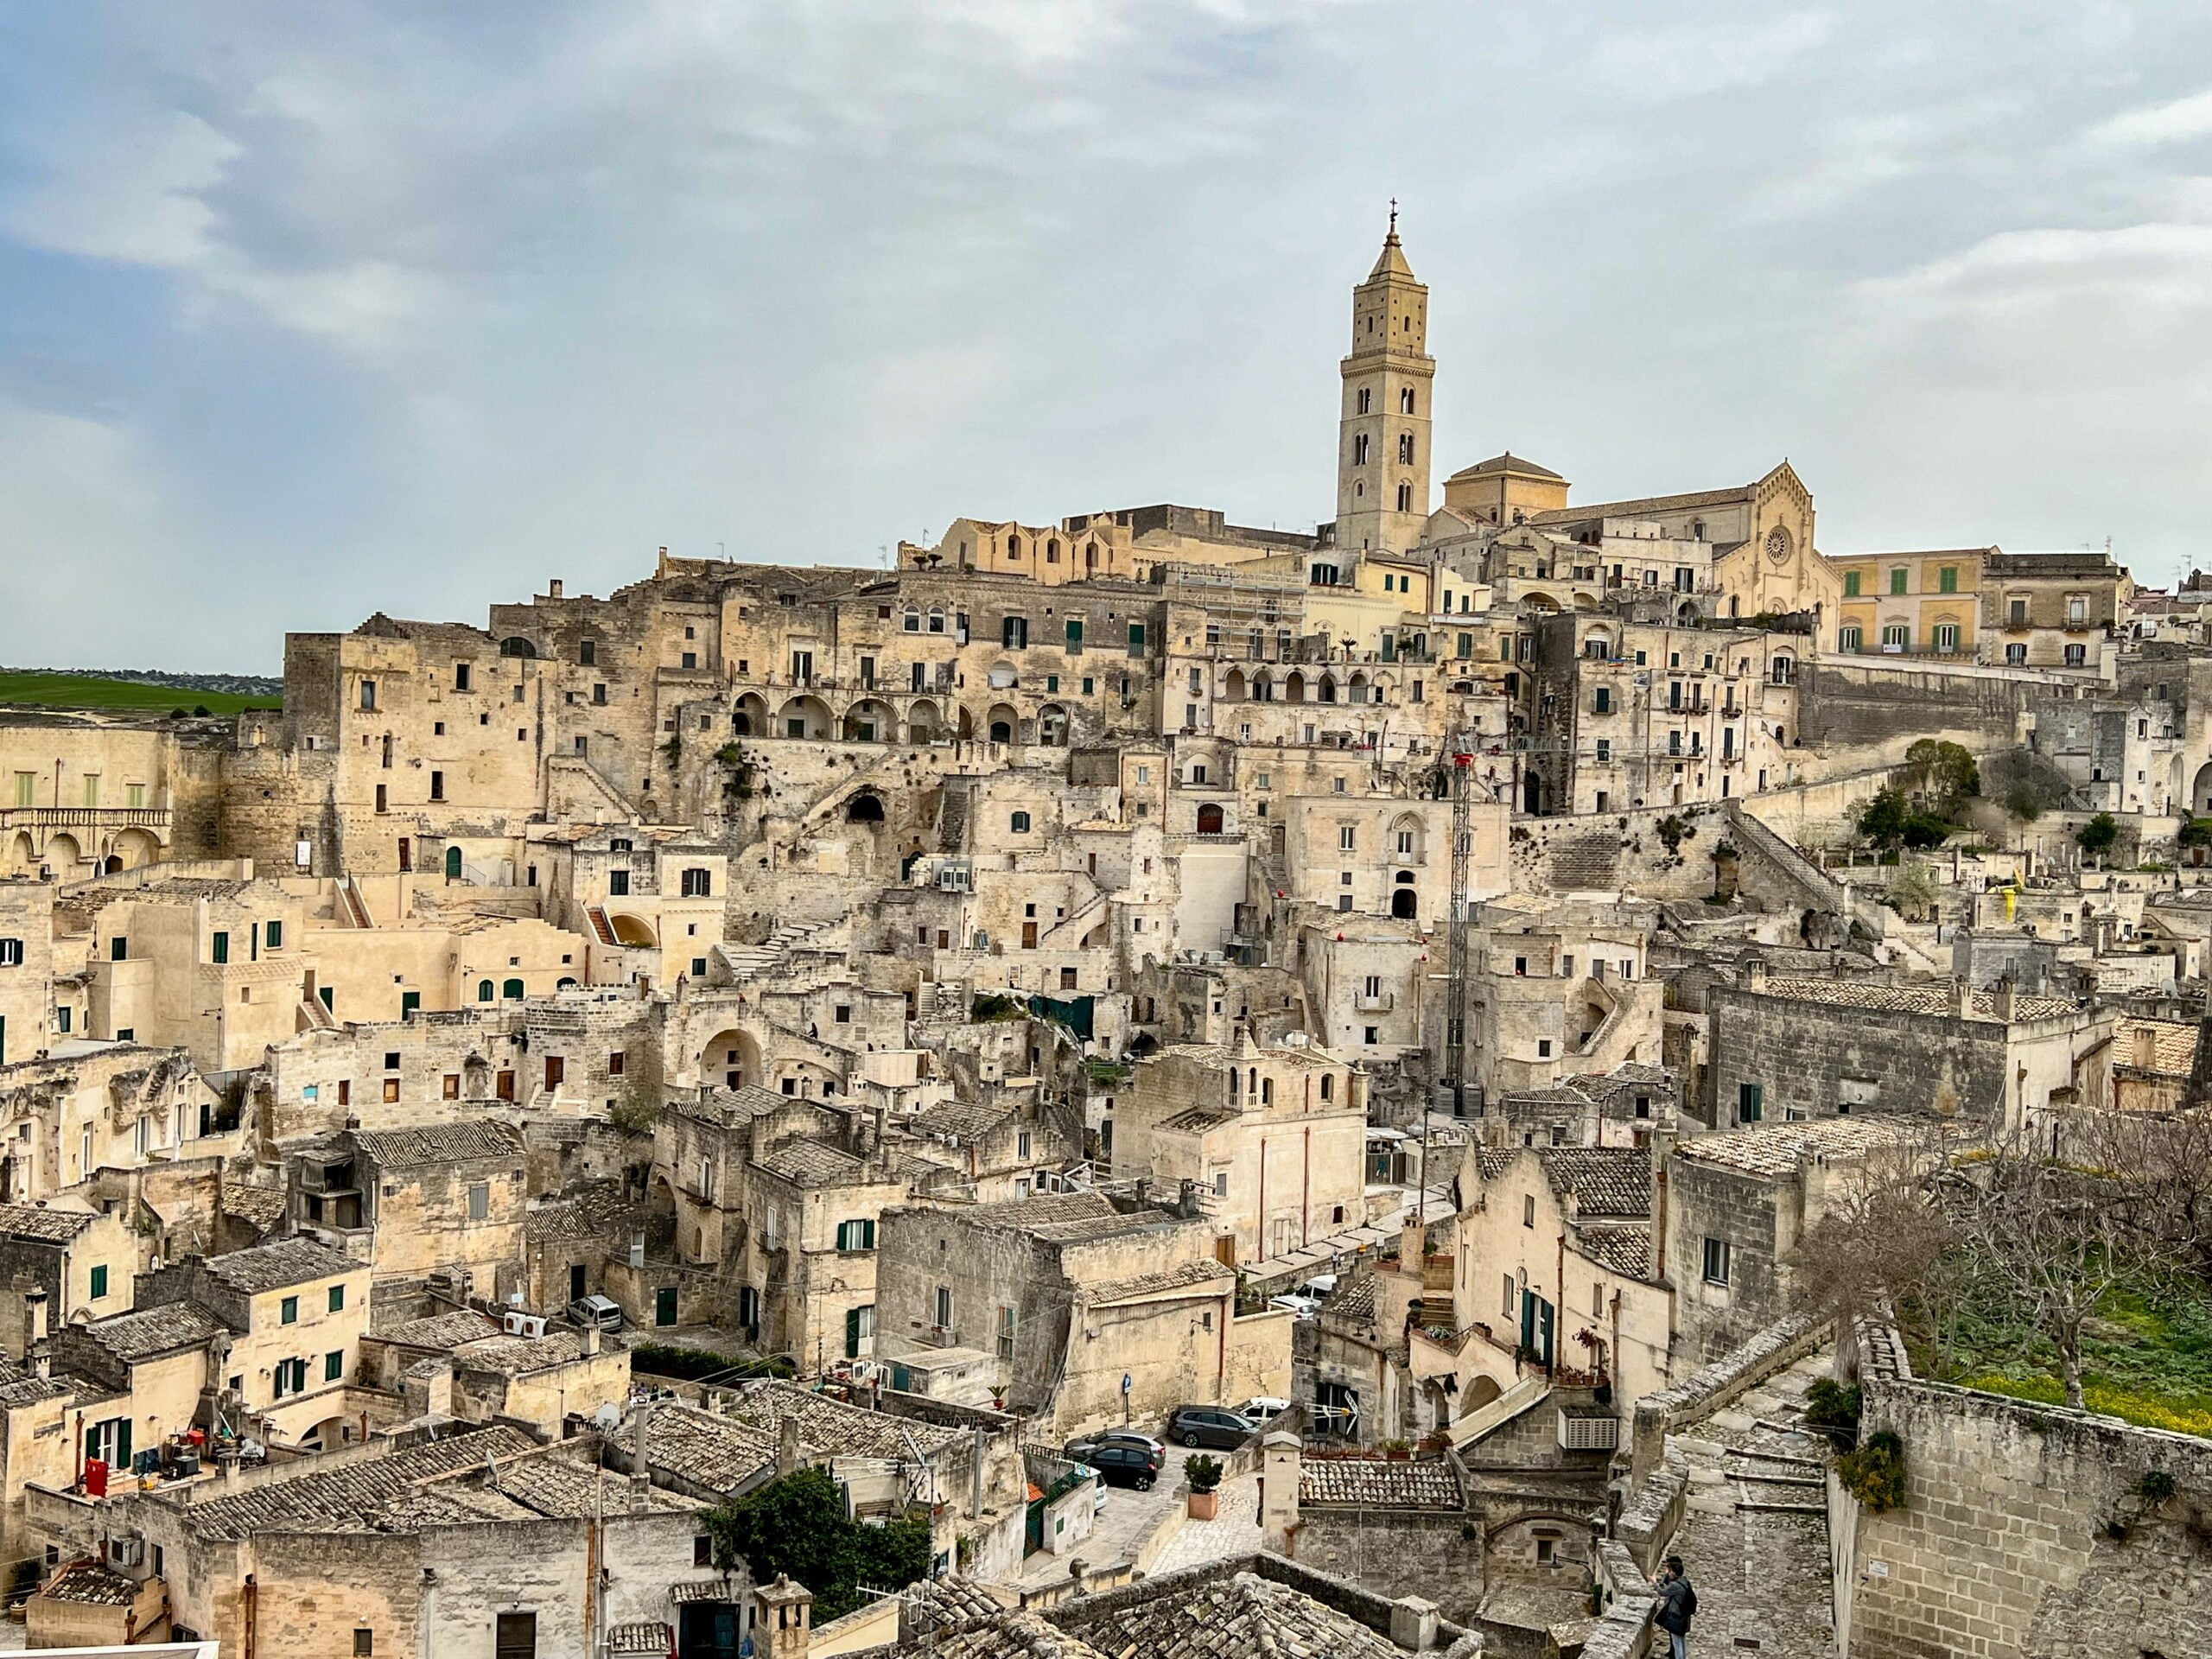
{"points": [[867, 807], [731, 1059], [1405, 903], [631, 931], [21, 855], [923, 723], [1531, 790], [804, 717], [63, 855], [2200, 793], [114, 865], [1002, 725], [453, 864], [1209, 819], [1053, 726], [869, 722], [1293, 686], [750, 717], [136, 849]]}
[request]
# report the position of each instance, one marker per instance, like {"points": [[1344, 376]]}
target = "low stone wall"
{"points": [[1715, 1387], [1622, 1629], [1399, 1553], [2026, 1530]]}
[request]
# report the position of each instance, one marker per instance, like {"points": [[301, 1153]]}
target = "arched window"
{"points": [[1406, 448], [913, 624], [1052, 552], [1405, 498], [1014, 547], [1365, 395], [1359, 449], [484, 990], [512, 990], [937, 618], [1405, 400], [1785, 669]]}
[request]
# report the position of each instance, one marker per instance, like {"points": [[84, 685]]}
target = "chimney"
{"points": [[1752, 974], [34, 1313], [591, 1340], [1662, 1148], [553, 587], [1413, 1244], [641, 1492], [1962, 998], [787, 1446], [1280, 1455], [1413, 1623], [781, 1614], [2004, 999], [2146, 1048]]}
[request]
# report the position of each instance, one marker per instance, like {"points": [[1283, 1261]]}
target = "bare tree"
{"points": [[2052, 1234], [1878, 1236]]}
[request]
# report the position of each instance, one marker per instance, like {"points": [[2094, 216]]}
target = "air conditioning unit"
{"points": [[520, 1324], [1588, 1431], [126, 1552]]}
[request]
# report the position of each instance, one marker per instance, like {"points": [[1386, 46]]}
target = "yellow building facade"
{"points": [[1910, 604]]}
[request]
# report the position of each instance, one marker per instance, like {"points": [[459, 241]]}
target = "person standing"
{"points": [[1677, 1605]]}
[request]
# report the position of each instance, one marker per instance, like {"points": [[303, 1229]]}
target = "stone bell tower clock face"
{"points": [[1777, 545]]}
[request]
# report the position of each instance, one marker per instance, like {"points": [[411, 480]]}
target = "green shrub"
{"points": [[1203, 1472], [798, 1526], [1834, 1408], [1874, 1473]]}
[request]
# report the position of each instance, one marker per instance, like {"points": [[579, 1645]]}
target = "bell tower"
{"points": [[1383, 432]]}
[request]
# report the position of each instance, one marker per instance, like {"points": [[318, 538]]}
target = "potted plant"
{"points": [[1397, 1450], [1204, 1474]]}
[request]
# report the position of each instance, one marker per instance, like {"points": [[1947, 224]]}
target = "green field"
{"points": [[83, 691]]}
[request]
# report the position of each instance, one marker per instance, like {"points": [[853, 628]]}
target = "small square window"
{"points": [[288, 1311]]}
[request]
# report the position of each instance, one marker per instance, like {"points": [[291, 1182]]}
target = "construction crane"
{"points": [[1459, 777]]}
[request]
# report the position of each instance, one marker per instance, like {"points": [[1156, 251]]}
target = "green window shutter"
{"points": [[333, 1365], [219, 947], [852, 1333], [99, 1282]]}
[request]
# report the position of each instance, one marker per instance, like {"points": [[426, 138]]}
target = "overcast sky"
{"points": [[310, 311]]}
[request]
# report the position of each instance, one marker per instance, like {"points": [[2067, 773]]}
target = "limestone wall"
{"points": [[2025, 1533]]}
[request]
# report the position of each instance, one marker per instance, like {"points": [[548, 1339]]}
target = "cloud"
{"points": [[2158, 123], [321, 310]]}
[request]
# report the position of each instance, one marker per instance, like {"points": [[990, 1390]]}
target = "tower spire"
{"points": [[1393, 237]]}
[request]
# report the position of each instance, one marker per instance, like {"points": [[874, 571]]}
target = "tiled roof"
{"points": [[1777, 1149], [809, 1163], [640, 1642], [947, 1603], [1377, 1482], [961, 1122], [1914, 999], [596, 1210], [38, 1223], [260, 1207], [1508, 463], [1011, 1636], [507, 1356], [1199, 1119], [146, 1332], [2173, 1045], [353, 1497], [1605, 1180], [21, 1386], [1062, 1218], [1188, 1275], [1625, 1250], [731, 1106], [439, 1331], [471, 1141], [91, 1585], [700, 1446], [831, 1425], [1352, 1299], [1232, 1618], [1491, 1162], [1643, 505], [272, 1266]]}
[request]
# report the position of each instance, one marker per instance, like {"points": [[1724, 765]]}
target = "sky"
{"points": [[308, 312]]}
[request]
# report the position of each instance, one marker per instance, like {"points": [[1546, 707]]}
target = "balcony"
{"points": [[939, 1336], [84, 817], [1374, 1001]]}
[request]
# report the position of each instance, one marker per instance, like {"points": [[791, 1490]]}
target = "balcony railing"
{"points": [[84, 817]]}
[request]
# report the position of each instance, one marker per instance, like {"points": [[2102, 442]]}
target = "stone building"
{"points": [[1272, 1140]]}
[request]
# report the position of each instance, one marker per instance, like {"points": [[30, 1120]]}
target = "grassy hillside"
{"points": [[84, 691]]}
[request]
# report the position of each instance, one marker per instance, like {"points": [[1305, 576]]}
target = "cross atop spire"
{"points": [[1394, 219]]}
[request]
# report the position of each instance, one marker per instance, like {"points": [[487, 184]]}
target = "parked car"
{"points": [[1208, 1426], [1298, 1303], [1122, 1465], [602, 1311], [1263, 1407], [1318, 1286], [1077, 1449]]}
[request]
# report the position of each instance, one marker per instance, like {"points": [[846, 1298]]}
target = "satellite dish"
{"points": [[608, 1418]]}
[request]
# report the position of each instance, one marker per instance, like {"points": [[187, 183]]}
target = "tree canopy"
{"points": [[798, 1526]]}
